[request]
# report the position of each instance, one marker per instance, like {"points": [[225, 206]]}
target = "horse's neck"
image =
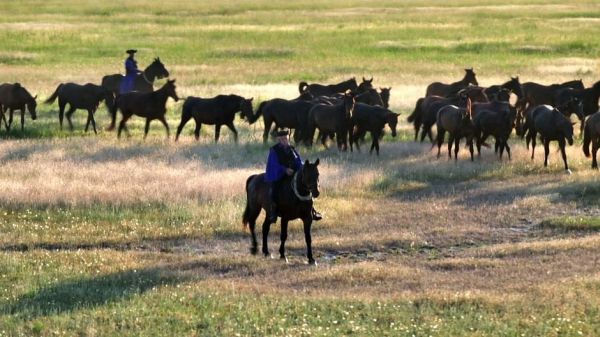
{"points": [[148, 74], [160, 96]]}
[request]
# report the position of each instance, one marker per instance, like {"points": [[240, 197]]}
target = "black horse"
{"points": [[87, 96], [294, 201], [151, 105], [445, 90], [143, 82], [16, 97], [372, 119], [331, 119], [385, 96], [591, 135], [514, 86], [283, 113], [459, 123], [551, 124], [588, 97], [316, 89], [218, 111]]}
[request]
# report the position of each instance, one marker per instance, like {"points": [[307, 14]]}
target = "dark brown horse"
{"points": [[513, 86], [218, 111], [332, 119], [494, 122], [535, 94], [552, 125], [591, 134], [291, 114], [432, 104], [316, 89], [445, 90], [87, 96], [151, 105], [294, 201], [385, 96], [372, 119], [588, 97], [459, 124], [16, 97], [143, 82]]}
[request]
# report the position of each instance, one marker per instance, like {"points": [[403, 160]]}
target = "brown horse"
{"points": [[218, 111], [331, 119], [445, 90], [513, 86], [150, 105], [494, 122], [459, 124], [87, 96], [591, 134], [551, 124], [294, 201], [292, 114], [385, 96], [15, 97], [588, 97]]}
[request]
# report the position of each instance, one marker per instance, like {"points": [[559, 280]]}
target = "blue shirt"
{"points": [[275, 169]]}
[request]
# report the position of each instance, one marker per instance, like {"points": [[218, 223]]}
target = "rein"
{"points": [[145, 78], [295, 189]]}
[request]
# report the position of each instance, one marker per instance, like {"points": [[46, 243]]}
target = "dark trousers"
{"points": [[274, 188]]}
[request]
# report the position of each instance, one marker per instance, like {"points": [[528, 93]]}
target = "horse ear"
{"points": [[251, 99], [317, 162], [35, 97], [371, 80]]}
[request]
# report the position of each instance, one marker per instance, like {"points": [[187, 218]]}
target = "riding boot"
{"points": [[316, 216], [272, 212]]}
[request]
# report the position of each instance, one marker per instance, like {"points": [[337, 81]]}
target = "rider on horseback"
{"points": [[283, 161], [131, 71]]}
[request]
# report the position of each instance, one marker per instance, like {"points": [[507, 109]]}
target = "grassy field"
{"points": [[107, 237]]}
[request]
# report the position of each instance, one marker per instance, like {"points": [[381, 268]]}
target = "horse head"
{"points": [[515, 86], [365, 85], [310, 177], [385, 96], [503, 95], [349, 102], [31, 105], [470, 76], [169, 88], [246, 109], [157, 69], [392, 121]]}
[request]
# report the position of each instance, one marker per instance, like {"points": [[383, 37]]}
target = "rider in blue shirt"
{"points": [[283, 161], [131, 71]]}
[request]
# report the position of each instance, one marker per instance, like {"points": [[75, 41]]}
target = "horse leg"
{"points": [[323, 136], [284, 233], [91, 118], [61, 112], [546, 151], [22, 118], [164, 122], [146, 128], [122, 124], [265, 232], [533, 140], [217, 132], [470, 141], [450, 142], [561, 143], [235, 133], [10, 119], [440, 139], [456, 144], [197, 130], [507, 148], [595, 146], [68, 115], [307, 237], [268, 123], [184, 120]]}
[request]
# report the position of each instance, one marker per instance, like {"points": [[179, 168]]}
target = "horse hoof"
{"points": [[285, 259], [253, 250], [569, 172], [312, 262]]}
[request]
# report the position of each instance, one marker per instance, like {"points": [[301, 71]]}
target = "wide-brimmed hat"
{"points": [[131, 51], [282, 133]]}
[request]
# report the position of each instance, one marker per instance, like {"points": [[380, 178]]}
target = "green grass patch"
{"points": [[573, 223]]}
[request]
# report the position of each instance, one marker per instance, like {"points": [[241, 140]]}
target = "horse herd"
{"points": [[466, 110], [346, 111]]}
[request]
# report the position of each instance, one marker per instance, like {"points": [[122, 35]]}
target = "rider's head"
{"points": [[283, 137], [131, 52]]}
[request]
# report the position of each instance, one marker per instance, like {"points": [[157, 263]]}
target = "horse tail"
{"points": [[52, 98], [246, 215], [587, 139], [302, 87], [416, 112], [259, 110]]}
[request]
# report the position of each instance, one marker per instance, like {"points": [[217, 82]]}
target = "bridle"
{"points": [[145, 78], [295, 189]]}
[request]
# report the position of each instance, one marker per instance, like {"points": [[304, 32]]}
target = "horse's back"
{"points": [[112, 82]]}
